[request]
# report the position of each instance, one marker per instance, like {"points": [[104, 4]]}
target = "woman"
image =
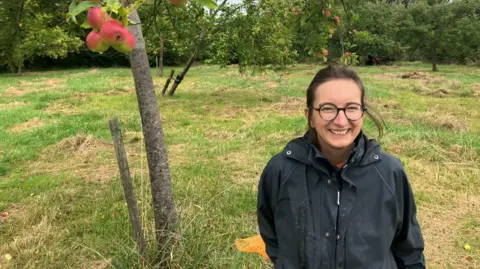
{"points": [[333, 198]]}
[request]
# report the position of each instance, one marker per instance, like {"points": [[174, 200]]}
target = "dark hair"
{"points": [[333, 72]]}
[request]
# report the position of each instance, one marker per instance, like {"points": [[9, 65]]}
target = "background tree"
{"points": [[35, 28]]}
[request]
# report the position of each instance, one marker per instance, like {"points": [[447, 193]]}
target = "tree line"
{"points": [[255, 35]]}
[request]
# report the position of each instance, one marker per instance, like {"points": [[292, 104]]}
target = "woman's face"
{"points": [[340, 132]]}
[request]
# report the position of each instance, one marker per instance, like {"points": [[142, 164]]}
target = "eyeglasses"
{"points": [[329, 111]]}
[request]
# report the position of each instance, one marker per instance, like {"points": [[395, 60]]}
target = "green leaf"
{"points": [[125, 20], [208, 3], [112, 2], [86, 5], [122, 11], [303, 20], [85, 25], [72, 6]]}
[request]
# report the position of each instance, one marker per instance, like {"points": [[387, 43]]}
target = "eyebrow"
{"points": [[347, 104]]}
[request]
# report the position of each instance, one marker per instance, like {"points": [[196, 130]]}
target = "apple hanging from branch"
{"points": [[108, 20]]}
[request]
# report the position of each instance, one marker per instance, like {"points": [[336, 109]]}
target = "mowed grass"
{"points": [[59, 178]]}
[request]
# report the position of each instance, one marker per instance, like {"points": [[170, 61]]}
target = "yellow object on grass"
{"points": [[253, 244]]}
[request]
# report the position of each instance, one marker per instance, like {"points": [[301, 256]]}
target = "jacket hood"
{"points": [[303, 150]]}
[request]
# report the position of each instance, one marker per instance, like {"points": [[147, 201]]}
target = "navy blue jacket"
{"points": [[363, 216]]}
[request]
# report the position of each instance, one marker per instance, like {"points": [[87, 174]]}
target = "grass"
{"points": [[59, 179]]}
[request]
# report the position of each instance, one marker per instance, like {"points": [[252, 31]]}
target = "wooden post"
{"points": [[128, 188], [180, 77], [168, 82]]}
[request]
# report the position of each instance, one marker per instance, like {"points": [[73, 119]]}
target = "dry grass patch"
{"points": [[445, 199], [32, 243], [27, 126], [60, 107], [476, 88], [14, 91], [442, 230], [91, 72], [14, 213], [425, 84], [443, 120], [392, 105], [178, 155], [413, 75], [387, 76], [35, 86], [468, 154], [271, 85], [81, 155], [219, 135], [12, 105], [121, 91], [288, 106], [102, 264], [451, 123], [245, 165]]}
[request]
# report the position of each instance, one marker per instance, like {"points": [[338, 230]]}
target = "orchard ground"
{"points": [[60, 185]]}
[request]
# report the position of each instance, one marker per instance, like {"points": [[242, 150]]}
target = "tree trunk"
{"points": [[15, 34], [434, 56], [163, 202], [160, 61], [122, 160], [180, 77]]}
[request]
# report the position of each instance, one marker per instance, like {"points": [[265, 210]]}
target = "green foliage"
{"points": [[33, 29], [350, 59], [379, 30], [445, 31]]}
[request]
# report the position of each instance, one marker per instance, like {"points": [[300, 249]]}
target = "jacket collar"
{"points": [[302, 149]]}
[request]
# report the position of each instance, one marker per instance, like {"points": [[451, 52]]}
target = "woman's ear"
{"points": [[307, 116]]}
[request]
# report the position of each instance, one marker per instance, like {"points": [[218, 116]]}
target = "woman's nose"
{"points": [[341, 118]]}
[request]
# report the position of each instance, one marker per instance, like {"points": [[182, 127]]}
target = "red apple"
{"points": [[354, 30], [327, 12], [97, 17], [95, 42], [127, 45], [325, 52], [113, 32], [336, 20], [4, 214], [347, 53], [178, 3]]}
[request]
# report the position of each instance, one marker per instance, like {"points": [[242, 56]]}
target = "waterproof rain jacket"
{"points": [[312, 215]]}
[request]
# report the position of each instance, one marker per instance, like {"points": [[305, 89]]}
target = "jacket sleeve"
{"points": [[267, 196], [408, 244]]}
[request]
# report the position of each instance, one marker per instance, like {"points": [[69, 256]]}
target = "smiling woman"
{"points": [[333, 198]]}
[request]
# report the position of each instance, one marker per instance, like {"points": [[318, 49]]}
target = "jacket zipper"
{"points": [[339, 190]]}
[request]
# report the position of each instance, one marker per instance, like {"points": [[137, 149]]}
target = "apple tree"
{"points": [[444, 29], [109, 20]]}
